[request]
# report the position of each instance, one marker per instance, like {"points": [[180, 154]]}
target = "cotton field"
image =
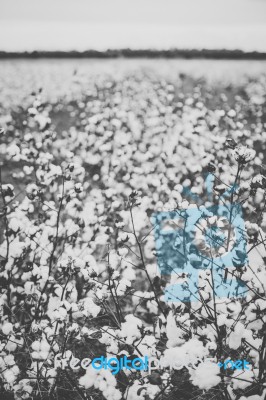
{"points": [[90, 156]]}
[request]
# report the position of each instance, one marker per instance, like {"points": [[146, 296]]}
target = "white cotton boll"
{"points": [[45, 346], [106, 393], [36, 345], [123, 252], [117, 395], [248, 379], [15, 369], [87, 381], [234, 308], [221, 319], [254, 355], [101, 239], [9, 360], [152, 391], [96, 383], [116, 275], [122, 287], [90, 307], [16, 248], [211, 346], [103, 385], [135, 392], [7, 328], [28, 287], [42, 355], [114, 259], [11, 344], [152, 306], [206, 375], [173, 333], [235, 337], [66, 305], [51, 374], [140, 219], [176, 356], [62, 313], [153, 270], [14, 224], [13, 150], [106, 374], [130, 329], [9, 376], [90, 260], [23, 386], [35, 355], [129, 273], [261, 304], [231, 113], [195, 349], [248, 335], [148, 346]]}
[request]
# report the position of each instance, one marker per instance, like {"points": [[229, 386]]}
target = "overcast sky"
{"points": [[101, 24]]}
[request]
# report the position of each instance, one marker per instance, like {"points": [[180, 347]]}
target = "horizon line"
{"points": [[236, 54]]}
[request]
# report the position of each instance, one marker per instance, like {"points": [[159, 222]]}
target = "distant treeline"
{"points": [[129, 53]]}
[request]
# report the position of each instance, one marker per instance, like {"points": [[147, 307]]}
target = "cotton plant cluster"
{"points": [[79, 265]]}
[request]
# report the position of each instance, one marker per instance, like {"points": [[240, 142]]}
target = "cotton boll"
{"points": [[7, 328], [152, 391], [9, 376], [87, 380], [9, 360], [11, 344], [221, 319], [175, 355], [195, 349], [102, 380], [103, 386], [114, 260], [51, 375], [152, 306], [45, 346], [122, 287], [36, 346], [61, 314], [235, 337], [90, 308], [206, 375], [148, 346], [153, 270], [129, 273], [130, 329], [173, 333], [248, 379], [134, 392], [23, 389], [261, 304]]}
